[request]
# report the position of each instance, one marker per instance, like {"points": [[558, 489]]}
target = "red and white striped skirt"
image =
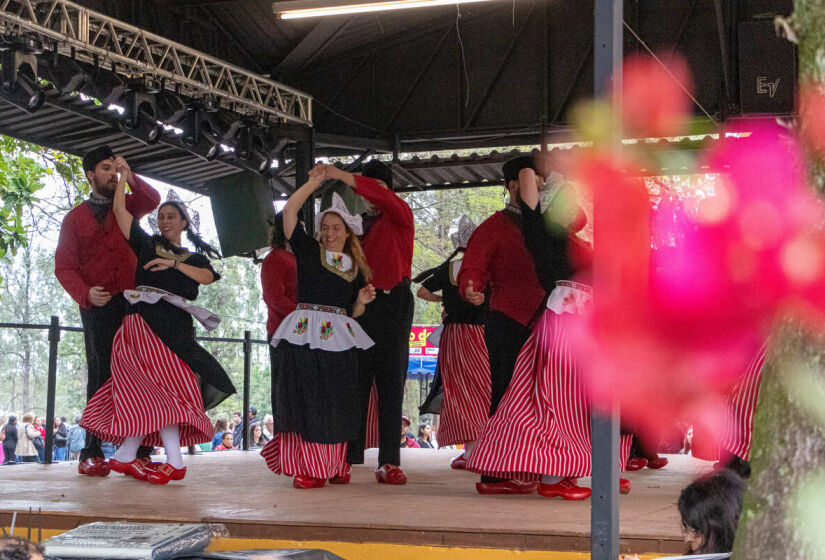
{"points": [[150, 387], [289, 454], [542, 426], [465, 377], [740, 406]]}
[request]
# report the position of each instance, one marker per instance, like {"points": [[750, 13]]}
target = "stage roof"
{"points": [[497, 74]]}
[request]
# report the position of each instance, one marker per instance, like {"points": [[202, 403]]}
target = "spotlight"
{"points": [[18, 79], [213, 152], [191, 125], [66, 75]]}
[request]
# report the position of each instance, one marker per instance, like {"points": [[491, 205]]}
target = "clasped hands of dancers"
{"points": [[340, 311]]}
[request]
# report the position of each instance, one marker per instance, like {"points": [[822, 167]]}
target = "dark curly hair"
{"points": [[18, 548]]}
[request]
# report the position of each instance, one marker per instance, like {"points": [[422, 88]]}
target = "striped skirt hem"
{"points": [[150, 388], [288, 454]]}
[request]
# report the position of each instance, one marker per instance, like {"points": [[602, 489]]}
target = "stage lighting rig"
{"points": [[140, 117], [18, 76]]}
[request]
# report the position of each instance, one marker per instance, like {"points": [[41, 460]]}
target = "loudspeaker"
{"points": [[243, 209], [767, 69]]}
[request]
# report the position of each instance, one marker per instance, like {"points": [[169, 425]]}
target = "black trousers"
{"points": [[387, 321], [100, 324], [504, 338]]}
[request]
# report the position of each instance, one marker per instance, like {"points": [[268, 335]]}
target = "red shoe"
{"points": [[305, 481], [342, 478], [148, 464], [390, 474], [136, 469], [565, 488], [506, 487], [93, 466], [164, 474], [459, 463], [636, 464], [657, 463], [624, 486]]}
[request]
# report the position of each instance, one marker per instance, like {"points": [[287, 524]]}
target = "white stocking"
{"points": [[468, 448], [170, 435], [127, 451]]}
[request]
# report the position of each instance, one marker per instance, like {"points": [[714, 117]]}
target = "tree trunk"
{"points": [[788, 455]]}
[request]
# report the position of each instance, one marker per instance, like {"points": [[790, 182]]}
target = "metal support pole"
{"points": [[604, 517], [247, 364], [51, 387], [304, 161]]}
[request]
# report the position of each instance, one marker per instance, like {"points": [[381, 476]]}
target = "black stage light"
{"points": [[66, 75], [191, 124], [105, 86], [18, 79]]}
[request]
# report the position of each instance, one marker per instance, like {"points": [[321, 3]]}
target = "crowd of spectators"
{"points": [[24, 439]]}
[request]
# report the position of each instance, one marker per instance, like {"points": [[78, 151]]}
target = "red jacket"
{"points": [[496, 258], [388, 245], [279, 282], [93, 254]]}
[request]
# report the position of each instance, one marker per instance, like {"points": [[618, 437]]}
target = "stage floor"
{"points": [[439, 506]]}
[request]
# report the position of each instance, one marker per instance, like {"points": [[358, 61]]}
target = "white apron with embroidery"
{"points": [[322, 327], [570, 297], [150, 295]]}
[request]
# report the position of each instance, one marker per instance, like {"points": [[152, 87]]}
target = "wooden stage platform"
{"points": [[439, 506]]}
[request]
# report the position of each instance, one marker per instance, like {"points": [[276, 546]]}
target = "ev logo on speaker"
{"points": [[763, 86]]}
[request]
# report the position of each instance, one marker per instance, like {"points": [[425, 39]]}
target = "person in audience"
{"points": [[237, 428], [76, 439], [26, 434], [425, 436], [10, 441], [226, 442], [407, 439], [41, 444], [61, 435], [710, 509], [269, 427], [256, 436], [221, 428]]}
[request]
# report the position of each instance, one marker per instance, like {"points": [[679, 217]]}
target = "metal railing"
{"points": [[95, 38], [54, 328]]}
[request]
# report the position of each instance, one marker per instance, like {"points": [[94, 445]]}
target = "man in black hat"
{"points": [[498, 267], [94, 264]]}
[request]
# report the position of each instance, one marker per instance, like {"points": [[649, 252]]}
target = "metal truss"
{"points": [[94, 38]]}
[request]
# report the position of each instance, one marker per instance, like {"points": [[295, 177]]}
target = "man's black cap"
{"points": [[511, 168], [377, 170], [92, 158]]}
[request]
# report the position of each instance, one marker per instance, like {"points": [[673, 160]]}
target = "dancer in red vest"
{"points": [[463, 371], [162, 379], [315, 399], [541, 429], [279, 283], [95, 265], [497, 261]]}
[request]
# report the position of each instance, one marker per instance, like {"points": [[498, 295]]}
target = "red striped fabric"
{"points": [[740, 406], [150, 387], [289, 454], [542, 426], [465, 377]]}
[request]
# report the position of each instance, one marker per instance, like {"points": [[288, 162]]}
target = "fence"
{"points": [[54, 328]]}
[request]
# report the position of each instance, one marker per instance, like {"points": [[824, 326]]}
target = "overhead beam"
{"points": [[312, 45]]}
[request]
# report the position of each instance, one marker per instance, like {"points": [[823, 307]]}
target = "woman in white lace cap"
{"points": [[314, 394]]}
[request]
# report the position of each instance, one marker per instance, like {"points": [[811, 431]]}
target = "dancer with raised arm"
{"points": [[315, 367], [162, 379]]}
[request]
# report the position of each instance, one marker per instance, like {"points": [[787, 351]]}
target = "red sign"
{"points": [[419, 345]]}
